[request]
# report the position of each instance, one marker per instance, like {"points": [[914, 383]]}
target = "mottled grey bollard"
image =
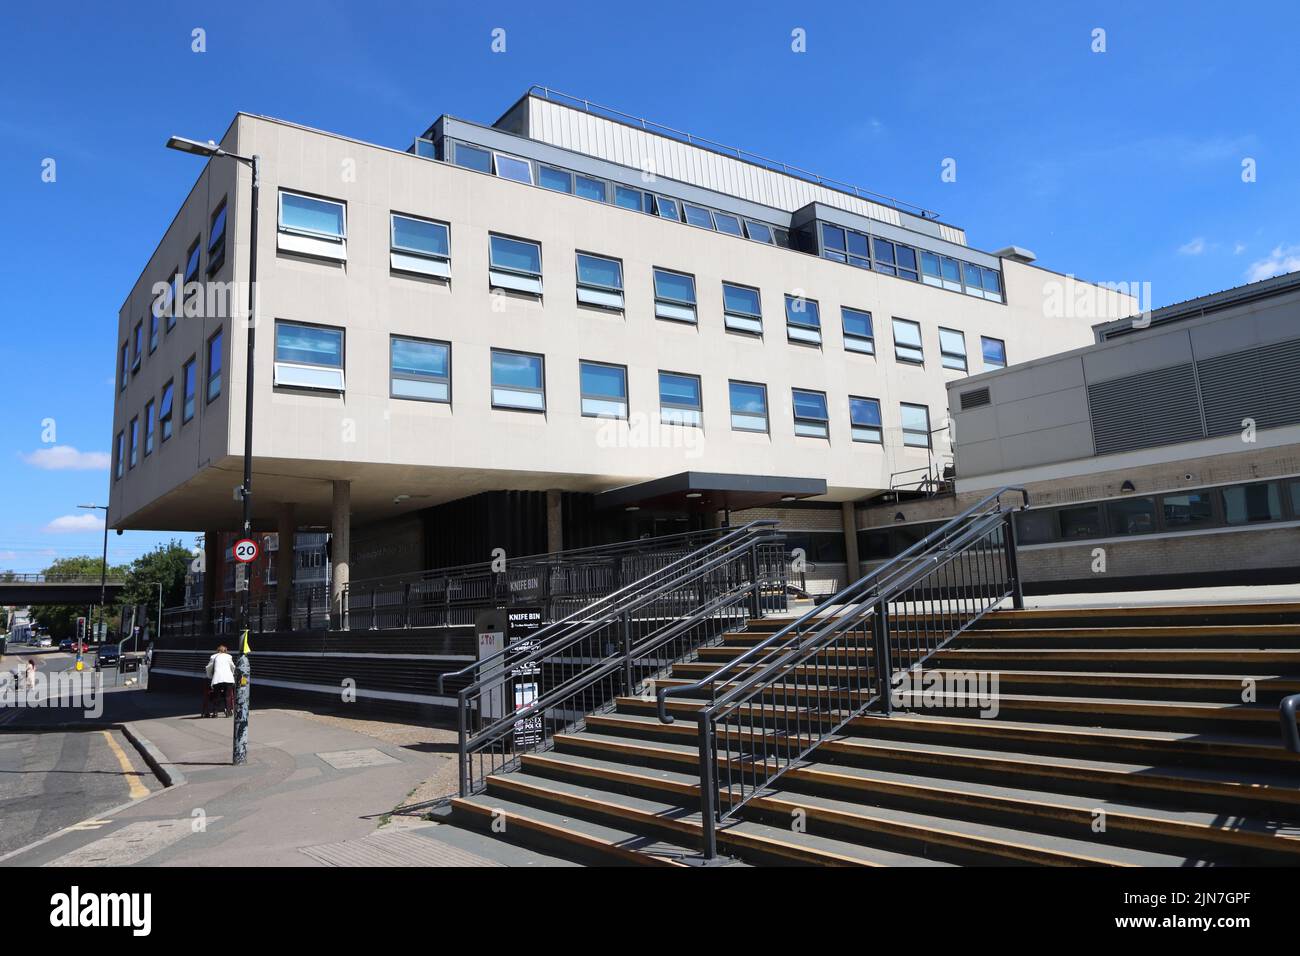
{"points": [[243, 675]]}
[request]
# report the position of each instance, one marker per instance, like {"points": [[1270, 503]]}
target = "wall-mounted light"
{"points": [[789, 498], [1127, 488], [898, 516], [694, 494], [632, 508], [397, 500]]}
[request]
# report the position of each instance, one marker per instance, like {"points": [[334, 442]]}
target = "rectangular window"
{"points": [[137, 339], [588, 188], [748, 407], [133, 443], [153, 332], [165, 411], [858, 333], [308, 356], [630, 198], [698, 216], [667, 208], [512, 167], [214, 366], [742, 309], [725, 222], [1036, 527], [217, 238], [148, 428], [931, 271], [420, 245], [1249, 504], [882, 252], [173, 301], [600, 281], [759, 232], [907, 342], [803, 320], [952, 349], [1132, 516], [905, 259], [995, 352], [561, 180], [119, 455], [951, 269], [1183, 512], [471, 157], [971, 274], [1080, 522], [192, 262], [674, 296], [126, 367], [189, 385], [916, 425], [312, 226], [603, 390], [859, 251], [419, 369], [679, 400], [811, 419], [518, 381], [833, 245], [515, 264], [992, 284], [864, 418]]}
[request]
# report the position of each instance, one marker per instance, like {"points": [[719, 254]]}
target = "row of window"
{"points": [[836, 243], [127, 445], [556, 178], [905, 262], [312, 356], [1230, 506], [167, 310]]}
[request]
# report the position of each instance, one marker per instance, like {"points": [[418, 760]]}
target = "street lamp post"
{"points": [[103, 571], [211, 150]]}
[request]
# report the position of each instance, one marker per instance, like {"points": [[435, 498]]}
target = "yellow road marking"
{"points": [[138, 789]]}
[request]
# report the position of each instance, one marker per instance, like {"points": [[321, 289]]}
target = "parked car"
{"points": [[45, 642], [108, 655], [66, 645]]}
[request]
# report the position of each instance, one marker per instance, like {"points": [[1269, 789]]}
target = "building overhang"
{"points": [[710, 491]]}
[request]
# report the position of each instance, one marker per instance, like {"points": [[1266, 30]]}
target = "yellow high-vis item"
{"points": [[246, 647]]}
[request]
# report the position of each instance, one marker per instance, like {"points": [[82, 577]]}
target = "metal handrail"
{"points": [[1286, 712], [736, 152], [952, 577], [40, 577], [594, 609], [641, 631], [838, 599]]}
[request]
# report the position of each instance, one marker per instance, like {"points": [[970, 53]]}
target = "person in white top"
{"points": [[221, 681]]}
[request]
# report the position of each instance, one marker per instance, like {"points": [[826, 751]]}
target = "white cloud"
{"points": [[1282, 259], [71, 524], [66, 458], [1193, 248], [1238, 248]]}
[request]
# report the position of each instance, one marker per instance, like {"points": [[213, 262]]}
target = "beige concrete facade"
{"points": [[389, 447]]}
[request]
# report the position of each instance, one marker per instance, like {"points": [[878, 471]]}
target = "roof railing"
{"points": [[650, 126]]}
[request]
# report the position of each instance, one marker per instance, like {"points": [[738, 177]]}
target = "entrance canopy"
{"points": [[708, 491]]}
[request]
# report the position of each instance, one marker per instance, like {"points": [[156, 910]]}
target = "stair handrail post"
{"points": [[1013, 560], [626, 627], [880, 634], [462, 735], [708, 788], [754, 581]]}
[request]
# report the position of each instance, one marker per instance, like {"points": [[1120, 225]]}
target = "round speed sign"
{"points": [[246, 550]]}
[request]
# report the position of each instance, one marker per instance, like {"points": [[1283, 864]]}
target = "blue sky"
{"points": [[1118, 166]]}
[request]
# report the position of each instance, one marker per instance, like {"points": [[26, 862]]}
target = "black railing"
{"points": [[558, 583], [516, 700], [768, 708]]}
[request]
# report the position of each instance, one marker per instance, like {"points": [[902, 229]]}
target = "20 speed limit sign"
{"points": [[245, 550]]}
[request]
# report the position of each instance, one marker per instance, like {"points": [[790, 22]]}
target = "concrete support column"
{"points": [[849, 516], [284, 565], [340, 547], [554, 521], [212, 570]]}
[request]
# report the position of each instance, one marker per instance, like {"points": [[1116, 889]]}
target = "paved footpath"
{"points": [[314, 792]]}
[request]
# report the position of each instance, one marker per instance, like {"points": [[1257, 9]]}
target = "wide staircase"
{"points": [[920, 719]]}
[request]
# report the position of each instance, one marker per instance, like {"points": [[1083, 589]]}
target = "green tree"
{"points": [[61, 619], [165, 564]]}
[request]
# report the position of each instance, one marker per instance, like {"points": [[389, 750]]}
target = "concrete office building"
{"points": [[565, 328], [1170, 448]]}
